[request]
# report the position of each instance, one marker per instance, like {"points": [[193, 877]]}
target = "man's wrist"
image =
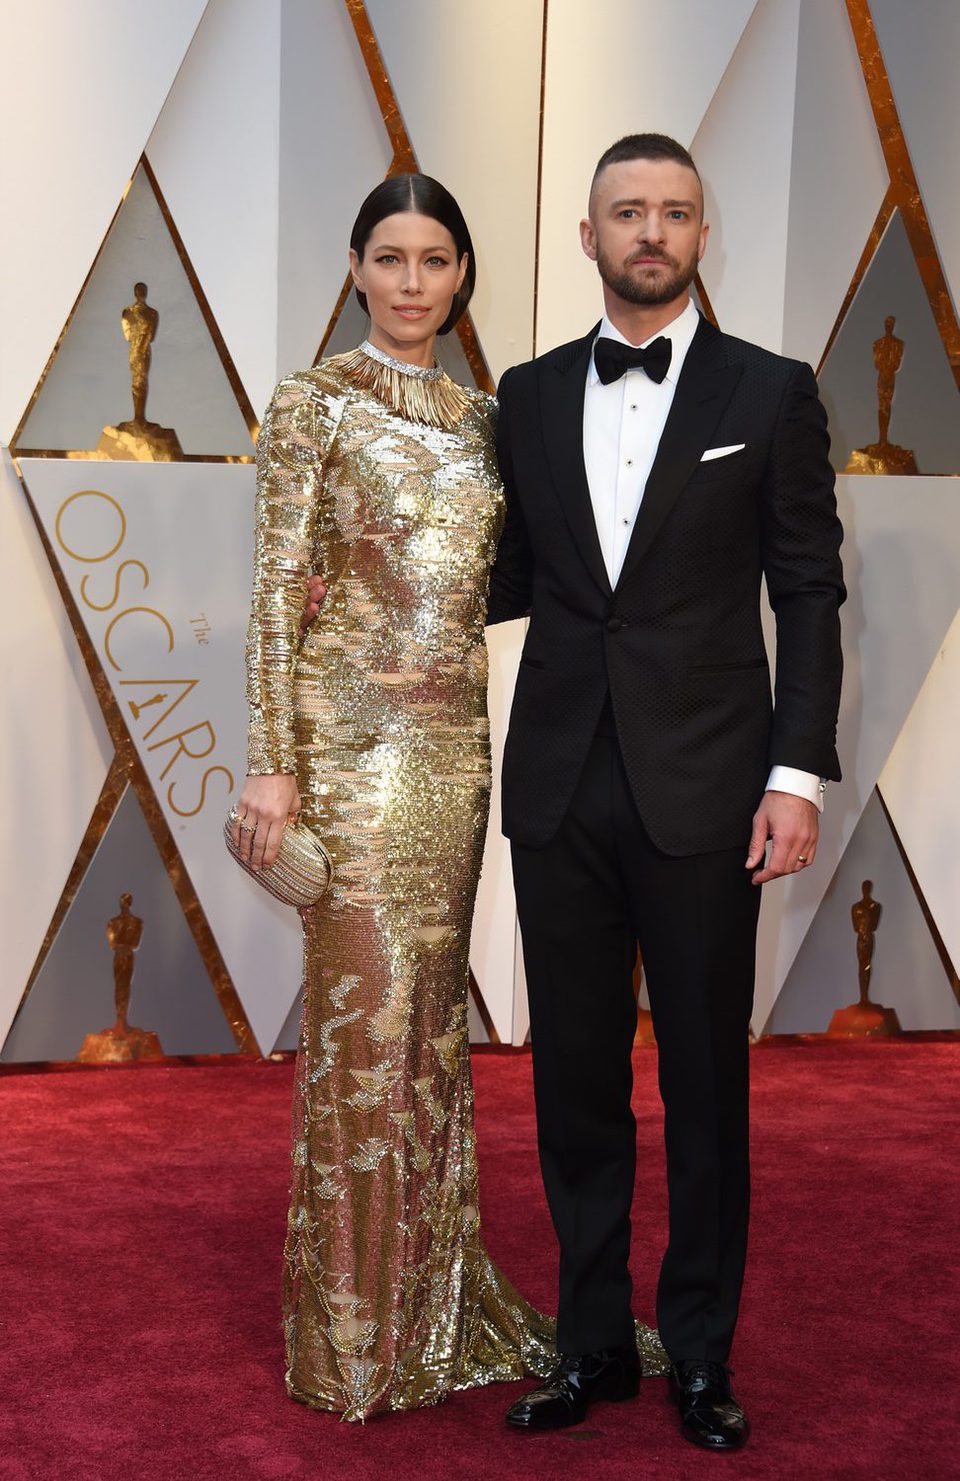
{"points": [[804, 784]]}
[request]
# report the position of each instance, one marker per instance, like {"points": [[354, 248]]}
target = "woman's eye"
{"points": [[387, 257], [437, 261]]}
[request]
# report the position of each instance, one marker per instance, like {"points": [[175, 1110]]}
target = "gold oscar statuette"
{"points": [[140, 441], [864, 1020], [884, 456], [122, 1042]]}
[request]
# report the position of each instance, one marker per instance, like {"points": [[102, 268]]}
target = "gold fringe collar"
{"points": [[413, 391]]}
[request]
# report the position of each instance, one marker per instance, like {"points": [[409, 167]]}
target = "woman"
{"points": [[378, 470]]}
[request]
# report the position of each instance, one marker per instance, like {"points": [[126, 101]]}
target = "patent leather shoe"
{"points": [[613, 1374], [709, 1414]]}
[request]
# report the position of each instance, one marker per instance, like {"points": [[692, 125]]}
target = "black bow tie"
{"points": [[612, 359]]}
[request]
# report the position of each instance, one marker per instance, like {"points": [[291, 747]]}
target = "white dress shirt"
{"points": [[622, 426]]}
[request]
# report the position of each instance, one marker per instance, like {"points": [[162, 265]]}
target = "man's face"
{"points": [[646, 231]]}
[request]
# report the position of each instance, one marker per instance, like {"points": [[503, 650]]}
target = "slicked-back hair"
{"points": [[644, 146], [427, 197]]}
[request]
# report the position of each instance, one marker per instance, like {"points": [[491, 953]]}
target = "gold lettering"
{"points": [[128, 612], [192, 812], [188, 685], [96, 606], [182, 748], [90, 494]]}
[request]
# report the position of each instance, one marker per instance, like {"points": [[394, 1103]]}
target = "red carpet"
{"points": [[140, 1231]]}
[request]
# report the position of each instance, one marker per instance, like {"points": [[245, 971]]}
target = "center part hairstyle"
{"points": [[427, 197]]}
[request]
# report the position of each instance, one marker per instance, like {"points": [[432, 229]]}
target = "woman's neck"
{"points": [[420, 353]]}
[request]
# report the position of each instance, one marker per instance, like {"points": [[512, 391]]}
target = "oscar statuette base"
{"points": [[140, 442], [120, 1045], [864, 1021], [881, 457]]}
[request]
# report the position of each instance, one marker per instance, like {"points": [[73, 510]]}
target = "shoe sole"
{"points": [[719, 1446]]}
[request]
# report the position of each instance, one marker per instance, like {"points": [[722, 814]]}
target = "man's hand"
{"points": [[793, 824], [316, 591]]}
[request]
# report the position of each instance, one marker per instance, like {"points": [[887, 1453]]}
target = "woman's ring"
{"points": [[801, 858]]}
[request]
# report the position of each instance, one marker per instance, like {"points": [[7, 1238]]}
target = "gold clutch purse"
{"points": [[301, 872]]}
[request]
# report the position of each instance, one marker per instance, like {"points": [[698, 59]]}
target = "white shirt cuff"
{"points": [[799, 783]]}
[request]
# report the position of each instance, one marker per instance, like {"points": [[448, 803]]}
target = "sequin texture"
{"points": [[390, 1300]]}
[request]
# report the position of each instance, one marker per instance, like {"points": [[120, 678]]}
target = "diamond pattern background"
{"points": [[264, 127]]}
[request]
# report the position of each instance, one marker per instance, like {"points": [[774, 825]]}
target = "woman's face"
{"points": [[410, 274]]}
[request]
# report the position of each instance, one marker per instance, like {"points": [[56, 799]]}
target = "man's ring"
{"points": [[801, 858]]}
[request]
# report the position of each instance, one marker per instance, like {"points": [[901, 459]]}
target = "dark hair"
{"points": [[644, 146], [426, 196]]}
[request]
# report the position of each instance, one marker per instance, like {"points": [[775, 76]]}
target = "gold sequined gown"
{"points": [[390, 1300]]}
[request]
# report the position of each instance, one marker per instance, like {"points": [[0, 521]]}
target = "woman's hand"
{"points": [[316, 593], [264, 808]]}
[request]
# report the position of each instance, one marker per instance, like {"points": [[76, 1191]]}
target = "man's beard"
{"points": [[660, 287]]}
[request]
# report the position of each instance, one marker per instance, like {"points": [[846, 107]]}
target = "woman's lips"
{"points": [[411, 313]]}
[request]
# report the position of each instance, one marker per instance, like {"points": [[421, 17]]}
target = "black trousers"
{"points": [[585, 901]]}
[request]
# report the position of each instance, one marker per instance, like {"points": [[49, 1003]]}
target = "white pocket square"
{"points": [[722, 452]]}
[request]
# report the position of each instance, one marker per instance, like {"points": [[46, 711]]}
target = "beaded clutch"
{"points": [[301, 872]]}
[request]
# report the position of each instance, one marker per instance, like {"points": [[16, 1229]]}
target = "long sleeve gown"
{"points": [[383, 477]]}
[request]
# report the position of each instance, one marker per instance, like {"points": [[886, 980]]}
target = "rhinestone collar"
{"points": [[403, 367]]}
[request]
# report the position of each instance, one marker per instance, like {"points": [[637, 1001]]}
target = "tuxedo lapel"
{"points": [[562, 388], [705, 386]]}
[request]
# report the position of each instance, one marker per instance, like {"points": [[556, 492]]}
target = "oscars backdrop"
{"points": [[181, 179]]}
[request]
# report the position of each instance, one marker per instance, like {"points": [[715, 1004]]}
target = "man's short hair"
{"points": [[643, 146]]}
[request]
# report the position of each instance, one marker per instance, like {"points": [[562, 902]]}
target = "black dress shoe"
{"points": [[576, 1383], [709, 1414]]}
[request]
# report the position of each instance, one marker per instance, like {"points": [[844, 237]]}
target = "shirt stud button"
{"points": [[629, 462]]}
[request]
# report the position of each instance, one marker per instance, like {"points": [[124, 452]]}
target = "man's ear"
{"points": [[588, 239]]}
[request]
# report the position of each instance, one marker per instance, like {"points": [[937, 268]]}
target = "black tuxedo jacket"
{"points": [[678, 644]]}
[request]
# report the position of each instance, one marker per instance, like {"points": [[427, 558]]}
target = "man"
{"points": [[648, 490]]}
